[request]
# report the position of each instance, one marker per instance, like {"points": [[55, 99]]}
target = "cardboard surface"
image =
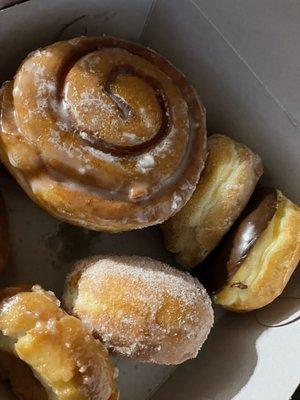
{"points": [[244, 357], [43, 250], [42, 247], [236, 100], [265, 34], [247, 357], [41, 22]]}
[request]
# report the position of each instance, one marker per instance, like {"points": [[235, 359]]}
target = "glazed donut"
{"points": [[258, 256], [4, 240], [228, 180], [103, 133], [47, 354], [140, 308]]}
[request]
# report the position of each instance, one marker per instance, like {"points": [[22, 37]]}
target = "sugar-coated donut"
{"points": [[4, 240], [226, 184], [47, 354], [258, 256], [140, 307]]}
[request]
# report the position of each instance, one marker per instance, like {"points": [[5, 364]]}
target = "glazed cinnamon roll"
{"points": [[103, 133], [259, 254]]}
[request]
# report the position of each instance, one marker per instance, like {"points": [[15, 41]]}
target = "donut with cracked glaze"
{"points": [[47, 354]]}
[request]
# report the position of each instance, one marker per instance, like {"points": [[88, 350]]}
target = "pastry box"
{"points": [[242, 58]]}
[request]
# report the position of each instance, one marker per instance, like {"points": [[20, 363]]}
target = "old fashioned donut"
{"points": [[46, 354], [140, 308]]}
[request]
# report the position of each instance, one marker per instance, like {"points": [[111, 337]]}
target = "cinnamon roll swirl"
{"points": [[103, 133]]}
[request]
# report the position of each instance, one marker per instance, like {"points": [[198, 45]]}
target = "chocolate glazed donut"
{"points": [[257, 257], [103, 133], [226, 260]]}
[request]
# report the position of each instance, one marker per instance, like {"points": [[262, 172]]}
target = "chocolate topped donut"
{"points": [[256, 258], [225, 261], [261, 209]]}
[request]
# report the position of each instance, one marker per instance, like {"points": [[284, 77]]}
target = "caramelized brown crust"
{"points": [[140, 308], [226, 184], [53, 353], [267, 266], [103, 133]]}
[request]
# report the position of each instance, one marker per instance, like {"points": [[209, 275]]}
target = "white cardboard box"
{"points": [[243, 57]]}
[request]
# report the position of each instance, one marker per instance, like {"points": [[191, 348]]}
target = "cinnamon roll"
{"points": [[103, 133], [47, 354]]}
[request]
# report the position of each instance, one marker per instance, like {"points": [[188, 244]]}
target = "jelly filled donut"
{"points": [[258, 256], [140, 308], [226, 184], [46, 354], [103, 133]]}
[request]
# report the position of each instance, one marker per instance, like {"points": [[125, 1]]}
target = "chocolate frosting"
{"points": [[226, 259]]}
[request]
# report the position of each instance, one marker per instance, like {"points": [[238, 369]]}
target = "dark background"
{"points": [[296, 395]]}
